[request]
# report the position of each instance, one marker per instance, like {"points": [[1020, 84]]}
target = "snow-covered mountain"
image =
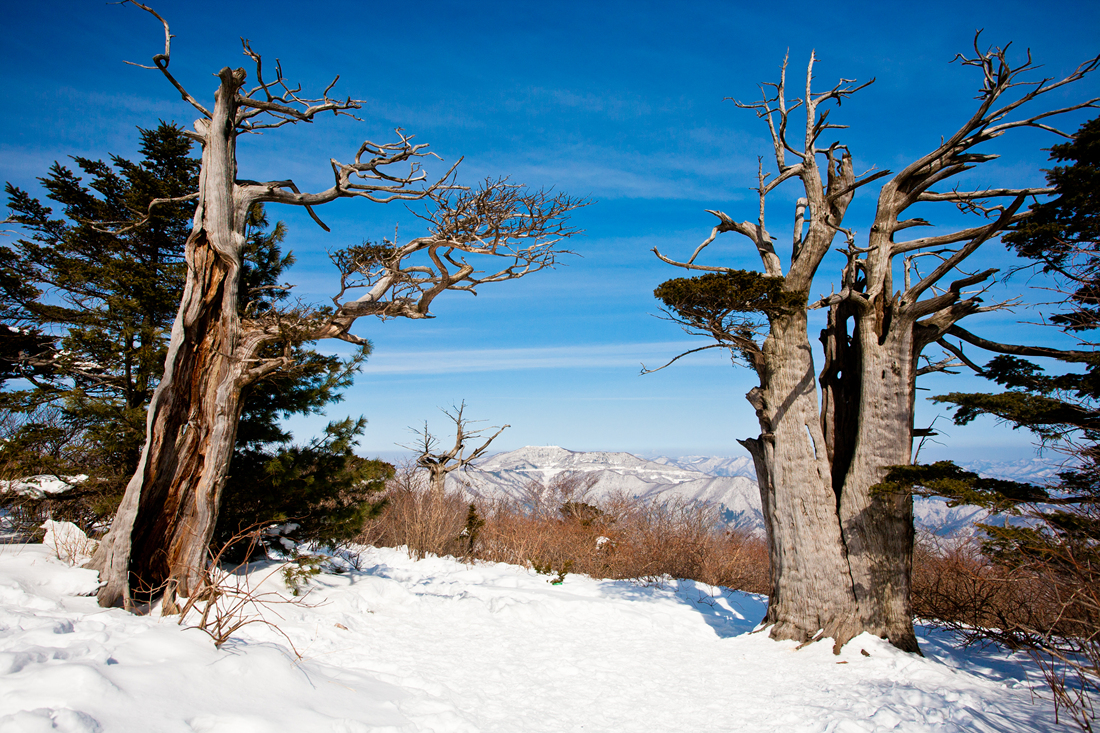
{"points": [[1032, 470], [726, 482], [713, 465], [508, 474]]}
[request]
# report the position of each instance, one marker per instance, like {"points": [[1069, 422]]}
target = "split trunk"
{"points": [[840, 556], [158, 540]]}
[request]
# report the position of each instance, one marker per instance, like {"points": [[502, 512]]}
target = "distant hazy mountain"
{"points": [[713, 465], [1034, 470], [1031, 470], [726, 482]]}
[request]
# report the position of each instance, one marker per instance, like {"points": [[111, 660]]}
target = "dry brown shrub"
{"points": [[955, 584], [427, 522], [1048, 607], [557, 528]]}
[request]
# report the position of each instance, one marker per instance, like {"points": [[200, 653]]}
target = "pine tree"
{"points": [[97, 307], [86, 317], [321, 490]]}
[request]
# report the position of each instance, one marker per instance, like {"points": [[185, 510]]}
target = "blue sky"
{"points": [[619, 102]]}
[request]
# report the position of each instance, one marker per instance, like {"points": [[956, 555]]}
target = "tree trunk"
{"points": [[804, 535], [158, 540], [840, 558], [878, 530]]}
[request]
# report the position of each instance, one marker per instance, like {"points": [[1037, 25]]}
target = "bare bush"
{"points": [[557, 527], [1049, 609], [227, 600], [427, 522], [954, 584]]}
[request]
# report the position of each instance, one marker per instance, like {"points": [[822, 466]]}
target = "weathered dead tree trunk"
{"points": [[193, 415], [807, 551], [159, 537], [439, 465], [841, 551]]}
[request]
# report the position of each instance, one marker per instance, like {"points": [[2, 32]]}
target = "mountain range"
{"points": [[728, 482]]}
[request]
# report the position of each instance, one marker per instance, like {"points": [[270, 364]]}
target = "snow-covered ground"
{"points": [[441, 646]]}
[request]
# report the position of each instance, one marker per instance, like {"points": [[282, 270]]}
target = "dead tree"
{"points": [[841, 553], [439, 465], [159, 537]]}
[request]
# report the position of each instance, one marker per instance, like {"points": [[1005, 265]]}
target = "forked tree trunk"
{"points": [[841, 558], [841, 554], [878, 530], [804, 533], [159, 537]]}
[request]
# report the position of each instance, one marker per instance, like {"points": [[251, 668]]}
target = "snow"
{"points": [[401, 646], [39, 486], [713, 465]]}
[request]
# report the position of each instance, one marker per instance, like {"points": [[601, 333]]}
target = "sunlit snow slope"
{"points": [[438, 646]]}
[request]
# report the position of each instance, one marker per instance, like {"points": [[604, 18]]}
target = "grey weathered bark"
{"points": [[158, 539], [440, 465], [841, 554]]}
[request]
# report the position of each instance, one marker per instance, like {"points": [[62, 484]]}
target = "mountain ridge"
{"points": [[728, 482]]}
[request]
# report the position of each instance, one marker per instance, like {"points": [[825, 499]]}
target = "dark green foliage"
{"points": [[24, 352], [960, 486], [730, 306], [1063, 410], [1063, 235], [322, 486], [101, 305], [300, 570], [94, 312], [1055, 551], [547, 568], [717, 296]]}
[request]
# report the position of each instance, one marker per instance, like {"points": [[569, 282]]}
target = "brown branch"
{"points": [[857, 184], [958, 352], [675, 359], [952, 238], [497, 220], [996, 347], [688, 266], [988, 193], [161, 61], [131, 226], [931, 305]]}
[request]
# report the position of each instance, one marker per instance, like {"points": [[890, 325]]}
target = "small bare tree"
{"points": [[840, 554], [440, 464], [160, 534]]}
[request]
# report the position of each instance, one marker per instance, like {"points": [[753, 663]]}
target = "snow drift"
{"points": [[438, 646]]}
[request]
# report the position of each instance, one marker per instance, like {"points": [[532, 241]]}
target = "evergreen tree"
{"points": [[97, 308], [85, 317], [322, 491]]}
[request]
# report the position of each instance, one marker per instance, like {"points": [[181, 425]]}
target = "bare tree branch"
{"points": [[161, 61], [681, 356], [958, 353], [499, 222], [999, 348]]}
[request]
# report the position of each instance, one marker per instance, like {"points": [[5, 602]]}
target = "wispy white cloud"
{"points": [[579, 356]]}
